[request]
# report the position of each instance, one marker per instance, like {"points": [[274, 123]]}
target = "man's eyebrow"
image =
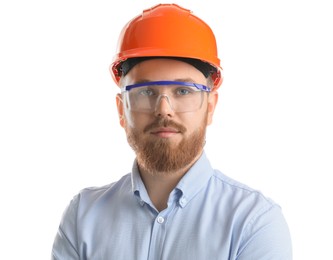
{"points": [[185, 80], [141, 81]]}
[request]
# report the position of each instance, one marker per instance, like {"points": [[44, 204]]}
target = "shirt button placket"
{"points": [[157, 238]]}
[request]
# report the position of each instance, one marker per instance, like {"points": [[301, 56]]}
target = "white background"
{"points": [[60, 133]]}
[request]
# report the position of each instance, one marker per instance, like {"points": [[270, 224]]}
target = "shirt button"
{"points": [[182, 201], [160, 220]]}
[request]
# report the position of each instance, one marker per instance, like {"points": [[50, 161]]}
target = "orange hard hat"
{"points": [[167, 30]]}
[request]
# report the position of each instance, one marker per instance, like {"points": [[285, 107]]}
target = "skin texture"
{"points": [[166, 143]]}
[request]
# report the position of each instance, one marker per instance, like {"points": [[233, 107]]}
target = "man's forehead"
{"points": [[163, 69], [205, 68], [187, 79]]}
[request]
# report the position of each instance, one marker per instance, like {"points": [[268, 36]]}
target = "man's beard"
{"points": [[160, 155]]}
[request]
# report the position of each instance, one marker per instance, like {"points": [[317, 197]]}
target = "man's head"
{"points": [[168, 89]]}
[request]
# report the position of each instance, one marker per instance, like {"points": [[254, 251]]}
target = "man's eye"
{"points": [[146, 92], [183, 91]]}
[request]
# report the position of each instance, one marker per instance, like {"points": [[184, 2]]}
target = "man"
{"points": [[172, 205]]}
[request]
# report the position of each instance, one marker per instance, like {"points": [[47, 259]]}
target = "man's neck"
{"points": [[160, 184], [159, 187]]}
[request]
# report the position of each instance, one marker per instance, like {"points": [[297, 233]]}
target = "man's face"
{"points": [[166, 141]]}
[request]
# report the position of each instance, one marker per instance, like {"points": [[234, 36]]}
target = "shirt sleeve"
{"points": [[65, 243], [266, 237]]}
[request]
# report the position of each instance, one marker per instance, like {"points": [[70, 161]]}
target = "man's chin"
{"points": [[166, 156], [172, 143]]}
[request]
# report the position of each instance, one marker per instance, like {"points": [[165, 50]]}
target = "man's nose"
{"points": [[163, 106]]}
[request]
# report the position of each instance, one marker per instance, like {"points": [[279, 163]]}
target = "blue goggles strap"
{"points": [[166, 83]]}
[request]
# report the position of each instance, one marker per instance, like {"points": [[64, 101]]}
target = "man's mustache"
{"points": [[162, 122]]}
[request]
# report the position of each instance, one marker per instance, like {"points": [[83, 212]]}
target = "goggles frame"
{"points": [[166, 83]]}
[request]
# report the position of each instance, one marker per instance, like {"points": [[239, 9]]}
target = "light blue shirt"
{"points": [[209, 216]]}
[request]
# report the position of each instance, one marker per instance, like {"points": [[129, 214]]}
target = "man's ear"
{"points": [[120, 108], [212, 101]]}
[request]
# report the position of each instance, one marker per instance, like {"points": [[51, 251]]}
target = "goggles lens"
{"points": [[181, 96]]}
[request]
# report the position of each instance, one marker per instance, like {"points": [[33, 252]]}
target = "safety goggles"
{"points": [[181, 96]]}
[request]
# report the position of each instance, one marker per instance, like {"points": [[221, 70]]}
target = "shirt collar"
{"points": [[138, 186], [191, 183], [195, 179]]}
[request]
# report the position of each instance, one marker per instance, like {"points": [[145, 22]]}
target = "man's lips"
{"points": [[164, 131]]}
